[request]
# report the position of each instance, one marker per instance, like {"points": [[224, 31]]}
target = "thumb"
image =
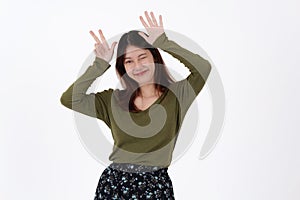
{"points": [[143, 35], [113, 45]]}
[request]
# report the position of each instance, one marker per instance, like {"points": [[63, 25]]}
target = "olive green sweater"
{"points": [[146, 137]]}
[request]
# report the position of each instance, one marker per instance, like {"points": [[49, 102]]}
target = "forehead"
{"points": [[133, 51]]}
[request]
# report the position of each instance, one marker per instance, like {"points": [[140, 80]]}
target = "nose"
{"points": [[137, 65]]}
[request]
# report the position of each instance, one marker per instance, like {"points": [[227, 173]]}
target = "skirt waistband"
{"points": [[130, 167]]}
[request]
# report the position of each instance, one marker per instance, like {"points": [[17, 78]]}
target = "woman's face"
{"points": [[139, 64]]}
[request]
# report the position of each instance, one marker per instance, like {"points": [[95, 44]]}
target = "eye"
{"points": [[127, 61]]}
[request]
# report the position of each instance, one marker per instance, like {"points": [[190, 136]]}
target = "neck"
{"points": [[148, 90]]}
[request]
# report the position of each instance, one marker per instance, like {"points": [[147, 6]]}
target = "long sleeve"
{"points": [[94, 105], [187, 89]]}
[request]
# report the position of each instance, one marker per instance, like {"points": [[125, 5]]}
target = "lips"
{"points": [[141, 73]]}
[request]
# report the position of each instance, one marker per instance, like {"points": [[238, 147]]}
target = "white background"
{"points": [[254, 45]]}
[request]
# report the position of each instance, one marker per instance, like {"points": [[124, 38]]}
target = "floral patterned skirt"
{"points": [[130, 181]]}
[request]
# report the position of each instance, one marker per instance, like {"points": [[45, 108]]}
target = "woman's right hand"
{"points": [[102, 49]]}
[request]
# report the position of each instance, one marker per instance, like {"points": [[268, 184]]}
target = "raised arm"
{"points": [[75, 96], [186, 90], [198, 66]]}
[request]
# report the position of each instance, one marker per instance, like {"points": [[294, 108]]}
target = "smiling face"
{"points": [[139, 64]]}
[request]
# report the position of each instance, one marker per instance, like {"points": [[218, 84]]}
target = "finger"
{"points": [[160, 21], [103, 39], [153, 19], [149, 19], [143, 22], [95, 37], [98, 45], [143, 35]]}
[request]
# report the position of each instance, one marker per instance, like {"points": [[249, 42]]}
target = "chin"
{"points": [[143, 80]]}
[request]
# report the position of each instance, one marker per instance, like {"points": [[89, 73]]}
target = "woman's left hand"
{"points": [[153, 28]]}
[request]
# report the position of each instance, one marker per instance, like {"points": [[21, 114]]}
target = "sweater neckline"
{"points": [[157, 101]]}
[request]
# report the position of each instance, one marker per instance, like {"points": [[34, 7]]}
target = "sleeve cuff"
{"points": [[160, 40], [101, 63]]}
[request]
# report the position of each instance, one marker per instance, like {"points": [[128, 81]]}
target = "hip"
{"points": [[131, 181]]}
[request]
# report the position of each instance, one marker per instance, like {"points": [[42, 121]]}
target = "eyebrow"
{"points": [[138, 56]]}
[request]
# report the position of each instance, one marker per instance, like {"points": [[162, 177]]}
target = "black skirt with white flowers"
{"points": [[130, 181]]}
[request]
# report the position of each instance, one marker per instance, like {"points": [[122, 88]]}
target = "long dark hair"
{"points": [[162, 77]]}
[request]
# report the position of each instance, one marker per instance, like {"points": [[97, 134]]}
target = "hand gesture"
{"points": [[154, 30], [102, 49]]}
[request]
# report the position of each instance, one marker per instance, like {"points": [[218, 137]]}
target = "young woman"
{"points": [[145, 116]]}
